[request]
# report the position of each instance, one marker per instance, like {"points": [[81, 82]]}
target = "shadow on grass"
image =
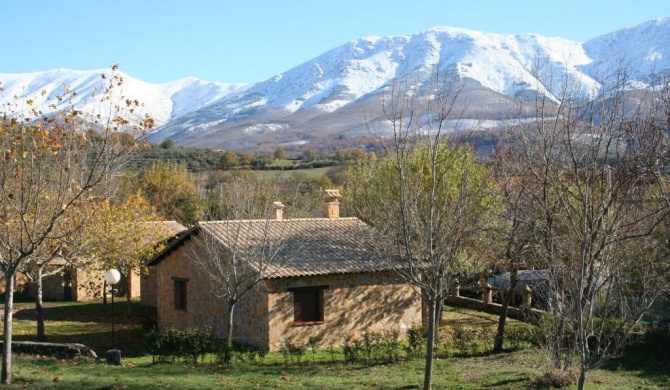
{"points": [[508, 382], [129, 341], [90, 312], [89, 323], [649, 358]]}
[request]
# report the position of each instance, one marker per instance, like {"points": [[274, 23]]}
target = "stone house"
{"points": [[70, 284], [87, 283], [144, 281], [333, 286]]}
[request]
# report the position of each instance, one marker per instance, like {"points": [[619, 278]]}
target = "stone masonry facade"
{"points": [[203, 309], [352, 304], [148, 287], [85, 284]]}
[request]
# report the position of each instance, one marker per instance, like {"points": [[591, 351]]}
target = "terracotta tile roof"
{"points": [[170, 229], [166, 233], [315, 246]]}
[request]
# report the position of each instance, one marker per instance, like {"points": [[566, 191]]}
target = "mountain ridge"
{"points": [[323, 96]]}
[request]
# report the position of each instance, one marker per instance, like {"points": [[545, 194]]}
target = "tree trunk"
{"points": [[582, 379], [5, 377], [430, 345], [231, 311], [502, 320], [39, 305], [126, 284], [67, 280], [439, 308]]}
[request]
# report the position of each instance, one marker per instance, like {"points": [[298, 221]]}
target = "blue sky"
{"points": [[251, 40]]}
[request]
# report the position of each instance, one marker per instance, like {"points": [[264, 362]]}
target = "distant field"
{"points": [[312, 173]]}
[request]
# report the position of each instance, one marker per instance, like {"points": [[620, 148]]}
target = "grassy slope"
{"points": [[90, 323]]}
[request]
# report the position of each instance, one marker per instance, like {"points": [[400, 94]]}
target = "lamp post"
{"points": [[112, 277]]}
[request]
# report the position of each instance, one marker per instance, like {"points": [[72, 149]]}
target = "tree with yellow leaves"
{"points": [[125, 236], [48, 166], [65, 249], [171, 190]]}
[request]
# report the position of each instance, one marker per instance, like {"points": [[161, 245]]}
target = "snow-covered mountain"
{"points": [[163, 102], [326, 97]]}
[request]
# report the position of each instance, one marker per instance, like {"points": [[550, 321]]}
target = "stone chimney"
{"points": [[278, 207], [331, 207]]}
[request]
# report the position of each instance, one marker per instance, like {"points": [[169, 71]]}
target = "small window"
{"points": [[180, 293], [308, 305]]}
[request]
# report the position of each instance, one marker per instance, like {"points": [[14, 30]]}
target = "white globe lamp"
{"points": [[112, 276]]}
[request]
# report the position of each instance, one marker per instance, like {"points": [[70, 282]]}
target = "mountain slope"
{"points": [[335, 94], [287, 107], [643, 50], [163, 102]]}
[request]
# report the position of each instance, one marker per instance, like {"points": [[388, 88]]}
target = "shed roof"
{"points": [[317, 246], [170, 228]]}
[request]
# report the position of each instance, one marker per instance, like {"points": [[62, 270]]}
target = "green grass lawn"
{"points": [[90, 323]]}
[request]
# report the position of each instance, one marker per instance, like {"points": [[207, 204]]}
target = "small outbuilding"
{"points": [[87, 283], [334, 286]]}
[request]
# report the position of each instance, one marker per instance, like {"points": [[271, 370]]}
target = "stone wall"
{"points": [[203, 308], [134, 284], [518, 313], [84, 285], [148, 287], [353, 304], [52, 288], [20, 283], [88, 284]]}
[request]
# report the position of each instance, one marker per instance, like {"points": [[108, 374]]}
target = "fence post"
{"points": [[527, 296]]}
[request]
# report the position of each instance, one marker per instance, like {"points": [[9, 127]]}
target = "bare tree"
{"points": [[236, 255], [512, 232], [48, 166], [429, 197], [591, 209]]}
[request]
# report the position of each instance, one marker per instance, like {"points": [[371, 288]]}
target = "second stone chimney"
{"points": [[278, 207], [331, 207]]}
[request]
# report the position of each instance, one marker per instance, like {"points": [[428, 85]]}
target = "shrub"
{"points": [[391, 345], [249, 354], [614, 331], [654, 345], [487, 336], [195, 344], [371, 342], [291, 350], [553, 379], [517, 335], [465, 339], [416, 340], [189, 345], [313, 343], [352, 349], [224, 353], [332, 351]]}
